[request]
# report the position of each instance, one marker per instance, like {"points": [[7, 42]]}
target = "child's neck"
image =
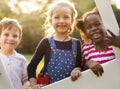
{"points": [[61, 37], [101, 46], [7, 53]]}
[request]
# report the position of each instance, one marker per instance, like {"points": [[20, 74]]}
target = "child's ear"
{"points": [[19, 42], [50, 21], [72, 21]]}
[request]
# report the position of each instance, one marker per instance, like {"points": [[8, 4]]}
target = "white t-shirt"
{"points": [[16, 67]]}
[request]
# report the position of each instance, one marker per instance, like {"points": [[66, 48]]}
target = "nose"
{"points": [[61, 20], [11, 38], [93, 28]]}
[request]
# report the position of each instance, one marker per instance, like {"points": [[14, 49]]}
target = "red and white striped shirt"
{"points": [[90, 53]]}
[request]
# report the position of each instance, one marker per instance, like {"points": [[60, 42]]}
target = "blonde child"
{"points": [[97, 50], [61, 52], [14, 63]]}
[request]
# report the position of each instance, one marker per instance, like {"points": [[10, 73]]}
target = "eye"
{"points": [[66, 17], [88, 27], [6, 34], [57, 17], [15, 36], [97, 24]]}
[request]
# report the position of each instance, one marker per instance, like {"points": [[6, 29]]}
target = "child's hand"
{"points": [[76, 72], [95, 67], [113, 39], [26, 85], [36, 86]]}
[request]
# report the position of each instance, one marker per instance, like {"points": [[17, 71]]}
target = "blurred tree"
{"points": [[5, 9], [117, 14], [33, 31], [76, 34], [83, 5]]}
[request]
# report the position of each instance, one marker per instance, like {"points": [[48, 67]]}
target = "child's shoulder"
{"points": [[44, 39], [76, 39], [87, 44], [20, 56], [43, 42]]}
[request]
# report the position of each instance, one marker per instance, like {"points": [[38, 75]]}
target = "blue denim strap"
{"points": [[74, 46]]}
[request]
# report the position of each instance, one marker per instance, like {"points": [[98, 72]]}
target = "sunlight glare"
{"points": [[29, 6], [25, 6], [117, 3]]}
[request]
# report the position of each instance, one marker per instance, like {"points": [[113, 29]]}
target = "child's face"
{"points": [[61, 19], [9, 39], [94, 28]]}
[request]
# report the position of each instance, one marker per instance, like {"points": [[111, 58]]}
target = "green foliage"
{"points": [[117, 14], [83, 5], [4, 9], [76, 34], [33, 31]]}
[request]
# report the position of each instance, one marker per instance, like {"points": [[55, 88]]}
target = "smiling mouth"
{"points": [[10, 43], [61, 26], [96, 35]]}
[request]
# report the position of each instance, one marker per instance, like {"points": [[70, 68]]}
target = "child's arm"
{"points": [[76, 72], [24, 78], [95, 67]]}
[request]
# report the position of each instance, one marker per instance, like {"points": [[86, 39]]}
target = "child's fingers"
{"points": [[101, 71], [95, 71], [73, 78], [98, 70], [36, 87], [111, 33], [75, 75]]}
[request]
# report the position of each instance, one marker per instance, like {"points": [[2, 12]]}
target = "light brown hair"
{"points": [[8, 23]]}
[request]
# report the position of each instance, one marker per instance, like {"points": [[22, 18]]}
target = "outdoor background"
{"points": [[31, 15]]}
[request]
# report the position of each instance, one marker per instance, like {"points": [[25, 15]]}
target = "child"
{"points": [[14, 63], [96, 51], [61, 52]]}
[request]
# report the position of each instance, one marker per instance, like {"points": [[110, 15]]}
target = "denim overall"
{"points": [[61, 62]]}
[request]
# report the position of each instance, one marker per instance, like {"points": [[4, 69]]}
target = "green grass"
{"points": [[39, 67], [28, 57]]}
